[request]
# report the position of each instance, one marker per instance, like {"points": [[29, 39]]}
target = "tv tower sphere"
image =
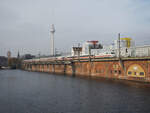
{"points": [[52, 31]]}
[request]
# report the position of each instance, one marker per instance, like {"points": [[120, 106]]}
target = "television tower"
{"points": [[52, 31]]}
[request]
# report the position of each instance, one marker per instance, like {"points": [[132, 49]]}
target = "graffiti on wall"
{"points": [[136, 70]]}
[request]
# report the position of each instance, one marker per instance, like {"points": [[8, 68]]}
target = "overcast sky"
{"points": [[25, 24]]}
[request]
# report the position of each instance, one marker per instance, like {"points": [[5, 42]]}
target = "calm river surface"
{"points": [[34, 92]]}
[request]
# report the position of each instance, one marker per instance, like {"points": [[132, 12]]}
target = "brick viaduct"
{"points": [[136, 69]]}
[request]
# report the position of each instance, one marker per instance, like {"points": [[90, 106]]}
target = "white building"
{"points": [[141, 51], [127, 47], [124, 42], [91, 48]]}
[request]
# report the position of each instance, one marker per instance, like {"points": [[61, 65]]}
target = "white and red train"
{"points": [[61, 58]]}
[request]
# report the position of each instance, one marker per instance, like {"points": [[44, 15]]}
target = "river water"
{"points": [[34, 92]]}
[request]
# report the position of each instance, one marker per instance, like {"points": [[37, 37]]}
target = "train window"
{"points": [[129, 72], [142, 73]]}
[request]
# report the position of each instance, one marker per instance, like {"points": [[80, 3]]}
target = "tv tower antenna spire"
{"points": [[52, 31]]}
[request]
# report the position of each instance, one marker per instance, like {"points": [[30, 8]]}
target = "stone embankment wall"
{"points": [[137, 69]]}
